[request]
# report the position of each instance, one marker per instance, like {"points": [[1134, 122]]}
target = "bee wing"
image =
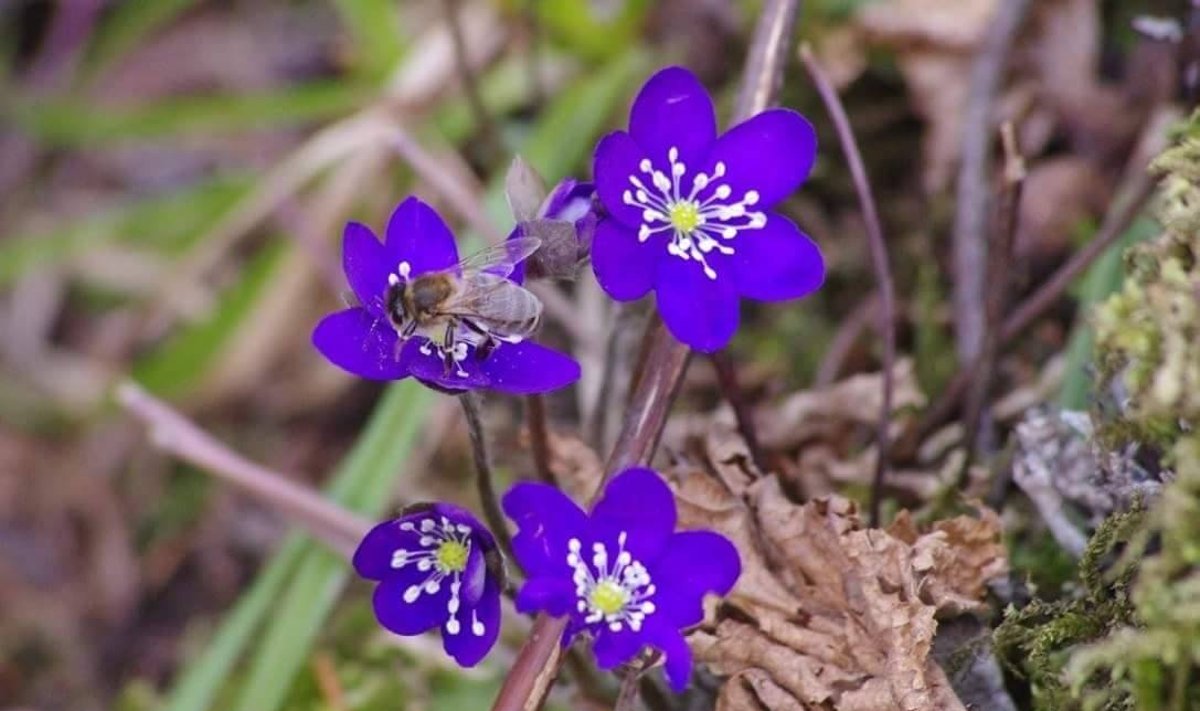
{"points": [[501, 259], [495, 301]]}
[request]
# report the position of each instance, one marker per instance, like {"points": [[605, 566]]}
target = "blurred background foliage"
{"points": [[174, 176]]}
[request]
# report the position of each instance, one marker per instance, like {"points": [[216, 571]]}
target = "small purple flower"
{"points": [[368, 341], [622, 574], [437, 567], [690, 212]]}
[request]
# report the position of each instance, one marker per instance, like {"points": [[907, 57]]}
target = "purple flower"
{"points": [[690, 213], [374, 342], [622, 574], [437, 567]]}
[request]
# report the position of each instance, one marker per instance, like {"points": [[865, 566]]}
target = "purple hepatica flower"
{"points": [[622, 574], [690, 213], [437, 567], [376, 341]]}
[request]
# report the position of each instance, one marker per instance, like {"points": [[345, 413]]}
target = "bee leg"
{"points": [[448, 348]]}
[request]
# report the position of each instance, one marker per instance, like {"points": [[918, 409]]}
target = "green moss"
{"points": [[1148, 341]]}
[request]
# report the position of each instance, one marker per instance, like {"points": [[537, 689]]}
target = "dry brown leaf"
{"points": [[957, 558], [827, 414], [947, 25], [575, 465], [829, 614]]}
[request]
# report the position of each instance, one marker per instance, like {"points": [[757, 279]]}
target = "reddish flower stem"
{"points": [[879, 262], [536, 665]]}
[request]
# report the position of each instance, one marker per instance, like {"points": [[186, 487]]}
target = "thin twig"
{"points": [[536, 665], [843, 341], [459, 191], [485, 480], [999, 256], [487, 125], [971, 218], [731, 390], [879, 262], [338, 528], [628, 693], [539, 436], [1136, 189]]}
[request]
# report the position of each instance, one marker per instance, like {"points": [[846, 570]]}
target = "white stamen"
{"points": [[704, 218]]}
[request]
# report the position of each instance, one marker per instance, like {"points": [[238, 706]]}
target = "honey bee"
{"points": [[472, 303]]}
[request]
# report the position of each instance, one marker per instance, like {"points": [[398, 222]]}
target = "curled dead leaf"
{"points": [[830, 614]]}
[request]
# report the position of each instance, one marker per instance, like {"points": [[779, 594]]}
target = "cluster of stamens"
{"points": [[617, 596], [700, 222], [444, 550]]}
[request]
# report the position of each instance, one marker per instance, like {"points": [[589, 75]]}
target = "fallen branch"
{"points": [[174, 433]]}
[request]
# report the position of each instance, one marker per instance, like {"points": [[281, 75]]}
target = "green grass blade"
{"points": [[75, 123], [364, 485], [1101, 280], [176, 367], [164, 224], [374, 27], [196, 689]]}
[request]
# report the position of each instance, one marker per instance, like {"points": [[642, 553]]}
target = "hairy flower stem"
{"points": [[484, 479], [539, 436], [536, 665]]}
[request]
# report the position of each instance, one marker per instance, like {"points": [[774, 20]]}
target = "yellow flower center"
{"points": [[452, 556], [684, 216], [608, 597]]}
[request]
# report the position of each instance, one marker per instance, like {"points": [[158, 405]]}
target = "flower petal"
{"points": [[528, 367], [417, 234], [616, 648], [673, 109], [360, 343], [693, 564], [665, 638], [478, 630], [700, 312], [373, 557], [553, 595], [617, 159], [546, 519], [429, 368], [394, 612], [639, 503], [771, 153], [367, 266], [624, 266], [777, 262]]}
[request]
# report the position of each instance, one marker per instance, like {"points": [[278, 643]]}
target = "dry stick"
{"points": [[1136, 188], [491, 138], [457, 191], [971, 218], [879, 262], [727, 380], [628, 693], [539, 436], [171, 431], [536, 665], [485, 481], [998, 257], [842, 343]]}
